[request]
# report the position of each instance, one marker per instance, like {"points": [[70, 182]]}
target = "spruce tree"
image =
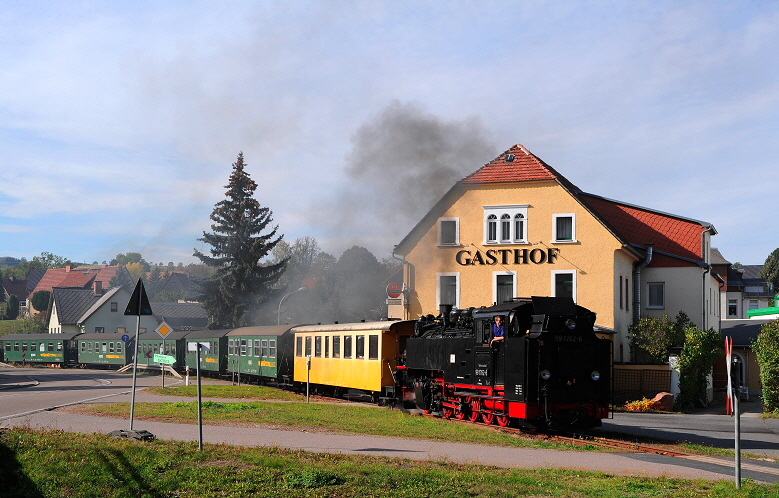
{"points": [[241, 238]]}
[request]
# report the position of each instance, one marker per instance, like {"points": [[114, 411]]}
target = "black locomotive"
{"points": [[549, 371]]}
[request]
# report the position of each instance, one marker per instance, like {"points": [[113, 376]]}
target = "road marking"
{"points": [[725, 463]]}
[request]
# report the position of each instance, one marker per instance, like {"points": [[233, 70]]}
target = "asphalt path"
{"points": [[49, 389]]}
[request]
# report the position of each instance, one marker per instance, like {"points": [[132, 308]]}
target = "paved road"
{"points": [[619, 464]]}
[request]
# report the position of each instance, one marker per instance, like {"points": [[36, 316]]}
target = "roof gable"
{"points": [[72, 303], [81, 276], [516, 164]]}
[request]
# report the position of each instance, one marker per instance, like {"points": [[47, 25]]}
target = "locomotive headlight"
{"points": [[545, 375], [570, 323], [595, 375]]}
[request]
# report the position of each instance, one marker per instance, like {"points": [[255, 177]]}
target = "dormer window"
{"points": [[505, 224]]}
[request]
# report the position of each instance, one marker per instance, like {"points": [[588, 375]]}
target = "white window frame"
{"points": [[456, 290], [505, 214], [456, 232], [495, 283], [649, 305], [555, 239], [553, 292]]}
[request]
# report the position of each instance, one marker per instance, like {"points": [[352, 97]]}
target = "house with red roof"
{"points": [[80, 277], [517, 228]]}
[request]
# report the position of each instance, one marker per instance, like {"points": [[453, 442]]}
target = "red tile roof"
{"points": [[81, 276], [523, 167], [641, 226]]}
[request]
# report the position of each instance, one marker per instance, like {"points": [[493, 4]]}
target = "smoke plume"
{"points": [[402, 162]]}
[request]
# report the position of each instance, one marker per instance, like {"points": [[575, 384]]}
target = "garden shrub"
{"points": [[766, 348], [696, 360]]}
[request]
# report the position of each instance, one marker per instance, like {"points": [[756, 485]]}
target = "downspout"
{"points": [[637, 283], [406, 289], [703, 301]]}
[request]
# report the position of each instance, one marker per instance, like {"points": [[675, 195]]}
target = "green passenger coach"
{"points": [[106, 350], [264, 352], [47, 349], [213, 360]]}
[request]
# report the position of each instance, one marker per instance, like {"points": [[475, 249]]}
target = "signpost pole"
{"points": [[199, 403], [135, 366]]}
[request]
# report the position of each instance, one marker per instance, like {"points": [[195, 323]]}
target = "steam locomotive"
{"points": [[550, 370]]}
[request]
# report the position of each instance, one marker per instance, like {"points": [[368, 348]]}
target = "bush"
{"points": [[653, 338], [311, 479], [766, 348], [701, 349]]}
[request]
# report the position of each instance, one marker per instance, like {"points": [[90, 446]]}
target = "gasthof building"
{"points": [[518, 228]]}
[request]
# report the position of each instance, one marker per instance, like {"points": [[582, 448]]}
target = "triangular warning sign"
{"points": [[139, 302]]}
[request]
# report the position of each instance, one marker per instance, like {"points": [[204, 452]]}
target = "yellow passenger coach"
{"points": [[359, 356]]}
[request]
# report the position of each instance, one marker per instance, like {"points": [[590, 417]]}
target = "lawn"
{"points": [[53, 464]]}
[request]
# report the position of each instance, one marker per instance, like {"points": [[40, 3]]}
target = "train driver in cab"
{"points": [[498, 332]]}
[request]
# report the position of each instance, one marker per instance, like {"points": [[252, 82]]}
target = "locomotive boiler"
{"points": [[550, 370]]}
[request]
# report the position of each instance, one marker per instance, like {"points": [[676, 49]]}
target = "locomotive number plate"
{"points": [[481, 372], [518, 389], [568, 338]]}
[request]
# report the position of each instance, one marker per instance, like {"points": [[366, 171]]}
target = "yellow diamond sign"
{"points": [[163, 330]]}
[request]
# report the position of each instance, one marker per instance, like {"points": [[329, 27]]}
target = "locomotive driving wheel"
{"points": [[488, 417], [448, 412], [474, 415], [503, 420]]}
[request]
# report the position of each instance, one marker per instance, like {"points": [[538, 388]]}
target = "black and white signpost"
{"points": [[196, 347], [138, 306]]}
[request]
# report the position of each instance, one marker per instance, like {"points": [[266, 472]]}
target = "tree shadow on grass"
{"points": [[14, 483]]}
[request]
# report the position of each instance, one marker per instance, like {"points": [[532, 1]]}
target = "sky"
{"points": [[119, 121]]}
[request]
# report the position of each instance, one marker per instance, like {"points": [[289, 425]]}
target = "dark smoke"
{"points": [[402, 162]]}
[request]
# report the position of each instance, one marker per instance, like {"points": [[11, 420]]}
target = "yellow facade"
{"points": [[595, 257]]}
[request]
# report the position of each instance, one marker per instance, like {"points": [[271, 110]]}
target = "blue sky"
{"points": [[119, 121]]}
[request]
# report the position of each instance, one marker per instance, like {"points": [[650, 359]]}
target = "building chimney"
{"points": [[97, 285], [67, 269]]}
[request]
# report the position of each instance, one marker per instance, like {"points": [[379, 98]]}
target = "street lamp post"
{"points": [[278, 314]]}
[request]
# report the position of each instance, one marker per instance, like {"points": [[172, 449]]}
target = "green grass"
{"points": [[238, 392], [53, 464], [322, 416]]}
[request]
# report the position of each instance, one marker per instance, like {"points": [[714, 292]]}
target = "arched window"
{"points": [[505, 227], [492, 228], [519, 227]]}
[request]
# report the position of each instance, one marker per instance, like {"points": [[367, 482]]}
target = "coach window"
{"points": [[261, 348], [42, 347], [564, 226], [299, 346], [250, 346], [564, 284], [327, 346], [448, 231], [111, 347], [50, 346], [264, 349], [230, 347], [104, 348], [318, 346], [59, 346], [272, 352], [448, 289], [347, 346], [308, 345], [360, 346], [118, 346], [373, 347], [656, 295], [89, 347], [336, 346], [16, 346], [83, 347], [243, 347]]}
